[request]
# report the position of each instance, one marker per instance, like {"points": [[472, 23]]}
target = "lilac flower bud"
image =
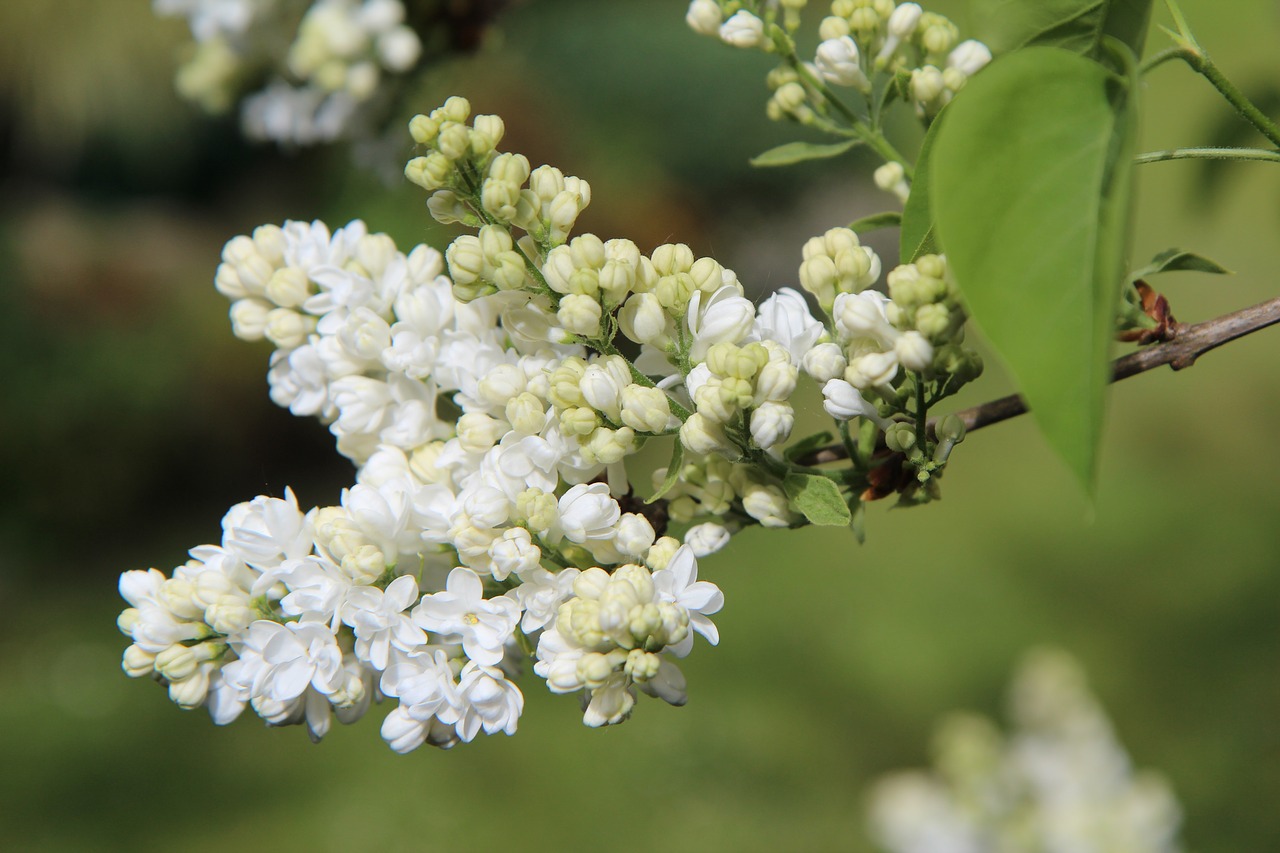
{"points": [[704, 17], [742, 30]]}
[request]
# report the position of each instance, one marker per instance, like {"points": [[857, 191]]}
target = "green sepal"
{"points": [[876, 221], [673, 471]]}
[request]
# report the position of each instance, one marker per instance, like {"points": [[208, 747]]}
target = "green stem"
{"points": [[1156, 60], [1247, 109], [1189, 51], [922, 415], [872, 137], [1260, 154]]}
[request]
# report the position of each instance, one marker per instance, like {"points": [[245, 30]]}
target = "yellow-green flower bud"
{"points": [[447, 209], [674, 292], [661, 552], [538, 508], [646, 409], [609, 445], [465, 258], [487, 132], [579, 420], [833, 27], [715, 403], [456, 108], [671, 258], [701, 435], [580, 315], [707, 275], [900, 438], [934, 321], [289, 287], [641, 665], [526, 414], [454, 141]]}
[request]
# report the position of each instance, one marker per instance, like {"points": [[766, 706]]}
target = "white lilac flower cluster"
{"points": [[490, 414], [338, 52], [1060, 781], [879, 49]]}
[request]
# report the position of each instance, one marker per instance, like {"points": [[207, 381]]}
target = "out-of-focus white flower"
{"points": [[1059, 781], [969, 57], [706, 539], [743, 29], [704, 17], [838, 62]]}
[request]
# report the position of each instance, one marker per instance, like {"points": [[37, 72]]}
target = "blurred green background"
{"points": [[132, 419]]}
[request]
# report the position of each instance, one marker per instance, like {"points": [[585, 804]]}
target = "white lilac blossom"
{"points": [[491, 414], [1059, 781], [320, 88]]}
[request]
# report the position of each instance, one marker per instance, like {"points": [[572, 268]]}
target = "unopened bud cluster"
{"points": [[864, 45], [319, 88]]}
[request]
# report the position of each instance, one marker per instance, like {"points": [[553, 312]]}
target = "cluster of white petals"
{"points": [[338, 52], [490, 414]]}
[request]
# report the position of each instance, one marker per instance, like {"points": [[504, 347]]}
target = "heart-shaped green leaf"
{"points": [[1030, 193], [1076, 25]]}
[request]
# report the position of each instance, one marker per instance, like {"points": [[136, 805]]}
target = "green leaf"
{"points": [[1179, 260], [673, 471], [818, 499], [808, 444], [798, 152], [1031, 183], [917, 236], [876, 221], [1076, 25], [858, 524]]}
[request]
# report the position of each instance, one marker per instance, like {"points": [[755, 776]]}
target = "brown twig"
{"points": [[1185, 343]]}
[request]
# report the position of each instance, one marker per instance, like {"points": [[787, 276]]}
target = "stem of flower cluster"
{"points": [[1259, 154]]}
